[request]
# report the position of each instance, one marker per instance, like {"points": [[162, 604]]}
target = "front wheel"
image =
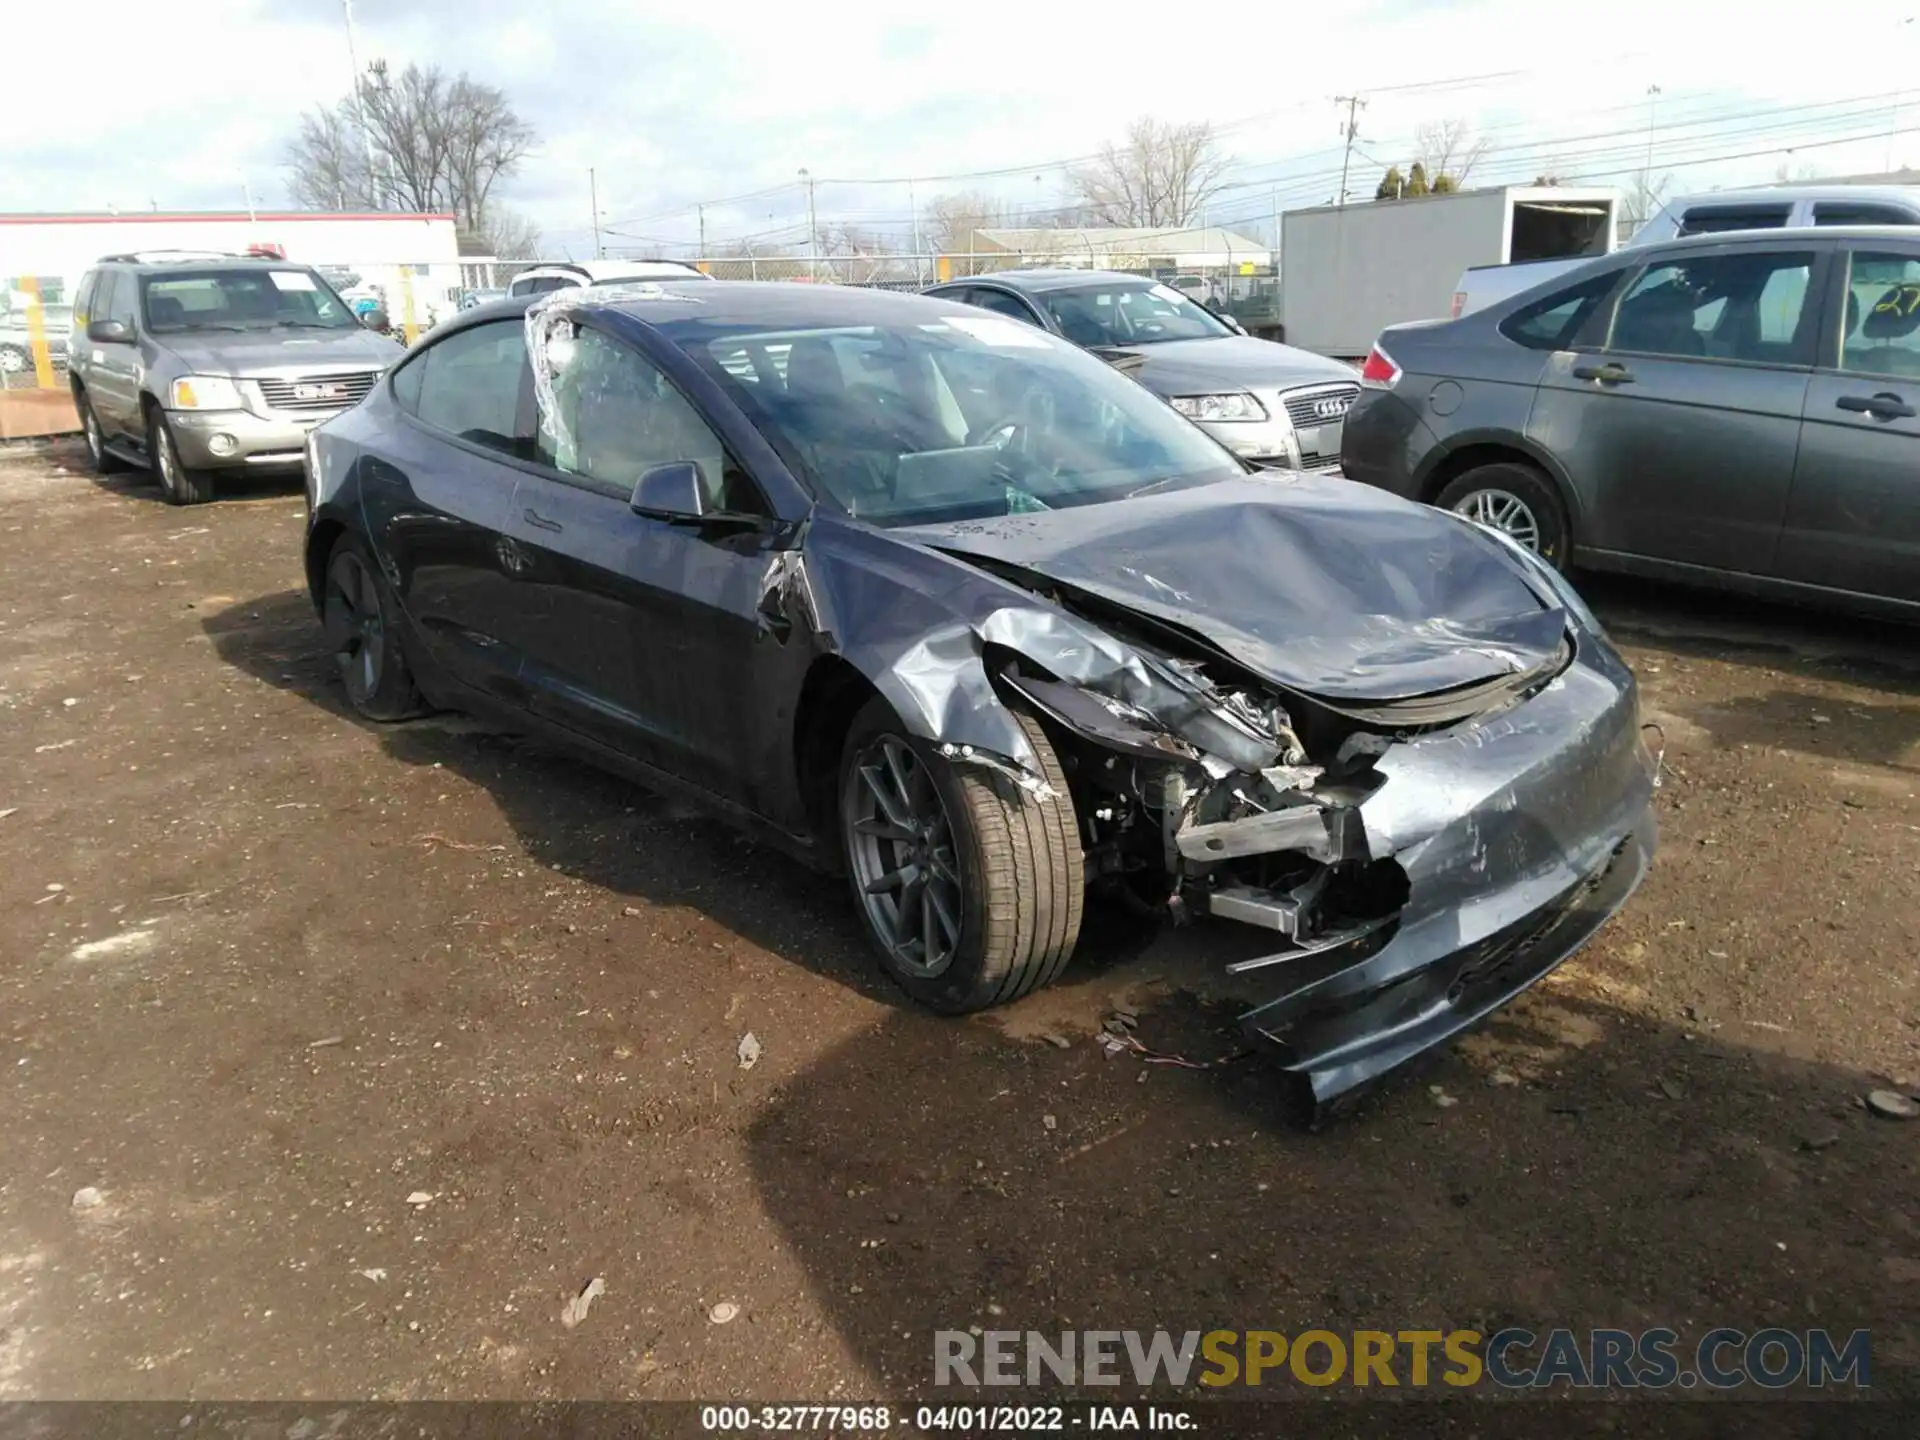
{"points": [[178, 484], [970, 885], [1517, 500]]}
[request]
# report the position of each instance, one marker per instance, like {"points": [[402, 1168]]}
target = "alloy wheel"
{"points": [[165, 461], [1503, 511], [90, 426], [12, 361], [900, 845], [350, 618]]}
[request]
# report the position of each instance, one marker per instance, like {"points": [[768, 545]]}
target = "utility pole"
{"points": [[1353, 103], [593, 199], [913, 209], [360, 104], [1653, 99], [702, 210], [813, 230]]}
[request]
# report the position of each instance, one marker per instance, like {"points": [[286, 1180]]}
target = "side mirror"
{"points": [[109, 332], [376, 320], [670, 492]]}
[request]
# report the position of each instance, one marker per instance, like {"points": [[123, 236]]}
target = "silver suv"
{"points": [[190, 363]]}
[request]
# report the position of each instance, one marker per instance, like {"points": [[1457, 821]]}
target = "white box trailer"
{"points": [[1349, 271]]}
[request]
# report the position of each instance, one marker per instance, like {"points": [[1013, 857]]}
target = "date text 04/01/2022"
{"points": [[960, 1419]]}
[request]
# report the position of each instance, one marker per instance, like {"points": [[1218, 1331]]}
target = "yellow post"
{"points": [[943, 268], [29, 285], [408, 326]]}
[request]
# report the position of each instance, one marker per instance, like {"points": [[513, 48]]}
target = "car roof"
{"points": [[1778, 234], [1789, 194], [734, 305], [1041, 278], [198, 260], [599, 270]]}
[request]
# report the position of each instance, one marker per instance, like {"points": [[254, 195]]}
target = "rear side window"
{"points": [[471, 385], [1834, 213], [1717, 219], [1882, 334], [1002, 303], [1552, 323], [1748, 306], [538, 285]]}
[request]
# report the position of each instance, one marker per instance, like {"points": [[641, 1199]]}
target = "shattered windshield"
{"points": [[960, 417], [243, 300]]}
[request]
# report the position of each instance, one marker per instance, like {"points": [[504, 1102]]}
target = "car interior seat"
{"points": [[1659, 322], [166, 310]]}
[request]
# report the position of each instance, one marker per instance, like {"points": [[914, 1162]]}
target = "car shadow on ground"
{"points": [[585, 823], [1573, 1166]]}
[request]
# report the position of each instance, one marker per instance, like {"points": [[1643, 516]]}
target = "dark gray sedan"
{"points": [[943, 603], [1733, 409], [1278, 407]]}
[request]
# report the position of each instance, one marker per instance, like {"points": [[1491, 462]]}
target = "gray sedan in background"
{"points": [[1740, 410], [1276, 406]]}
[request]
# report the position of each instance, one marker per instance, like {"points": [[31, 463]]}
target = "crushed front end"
{"points": [[1417, 862]]}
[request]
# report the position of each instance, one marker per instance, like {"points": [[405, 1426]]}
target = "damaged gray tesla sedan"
{"points": [[949, 606]]}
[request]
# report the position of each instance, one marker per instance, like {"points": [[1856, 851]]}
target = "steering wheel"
{"points": [[1001, 434]]}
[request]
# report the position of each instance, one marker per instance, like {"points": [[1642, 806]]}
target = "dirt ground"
{"points": [[266, 972]]}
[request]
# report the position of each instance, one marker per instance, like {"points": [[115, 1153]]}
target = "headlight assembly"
{"points": [[1238, 406], [206, 392]]}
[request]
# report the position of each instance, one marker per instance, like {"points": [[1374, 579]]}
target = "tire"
{"points": [[1015, 860], [14, 360], [103, 463], [1514, 497], [362, 626], [178, 484]]}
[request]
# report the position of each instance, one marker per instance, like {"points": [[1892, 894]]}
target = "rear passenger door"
{"points": [[1854, 519], [1680, 428], [438, 498], [113, 367]]}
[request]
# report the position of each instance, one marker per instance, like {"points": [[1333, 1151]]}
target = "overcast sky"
{"points": [[675, 105]]}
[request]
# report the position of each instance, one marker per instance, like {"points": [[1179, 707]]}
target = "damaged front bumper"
{"points": [[1519, 835]]}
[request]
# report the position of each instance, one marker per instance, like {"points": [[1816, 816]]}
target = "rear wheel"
{"points": [[180, 485], [358, 617], [1517, 500], [970, 886]]}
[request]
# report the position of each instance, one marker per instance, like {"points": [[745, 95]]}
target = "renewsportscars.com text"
{"points": [[1513, 1358]]}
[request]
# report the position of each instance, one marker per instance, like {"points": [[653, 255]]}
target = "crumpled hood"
{"points": [[1330, 588], [1232, 362], [222, 352]]}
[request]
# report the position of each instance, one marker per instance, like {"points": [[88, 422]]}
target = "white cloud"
{"points": [[672, 104]]}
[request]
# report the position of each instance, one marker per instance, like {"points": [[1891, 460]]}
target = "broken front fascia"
{"points": [[941, 689]]}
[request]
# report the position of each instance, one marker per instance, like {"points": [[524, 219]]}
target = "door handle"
{"points": [[1884, 406], [541, 522], [1607, 374]]}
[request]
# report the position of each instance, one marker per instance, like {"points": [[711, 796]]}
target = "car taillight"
{"points": [[1379, 372], [1459, 302]]}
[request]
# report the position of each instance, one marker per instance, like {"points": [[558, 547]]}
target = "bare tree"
{"points": [[1786, 174], [507, 235], [327, 163], [1448, 149], [1161, 176], [954, 220], [437, 143]]}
